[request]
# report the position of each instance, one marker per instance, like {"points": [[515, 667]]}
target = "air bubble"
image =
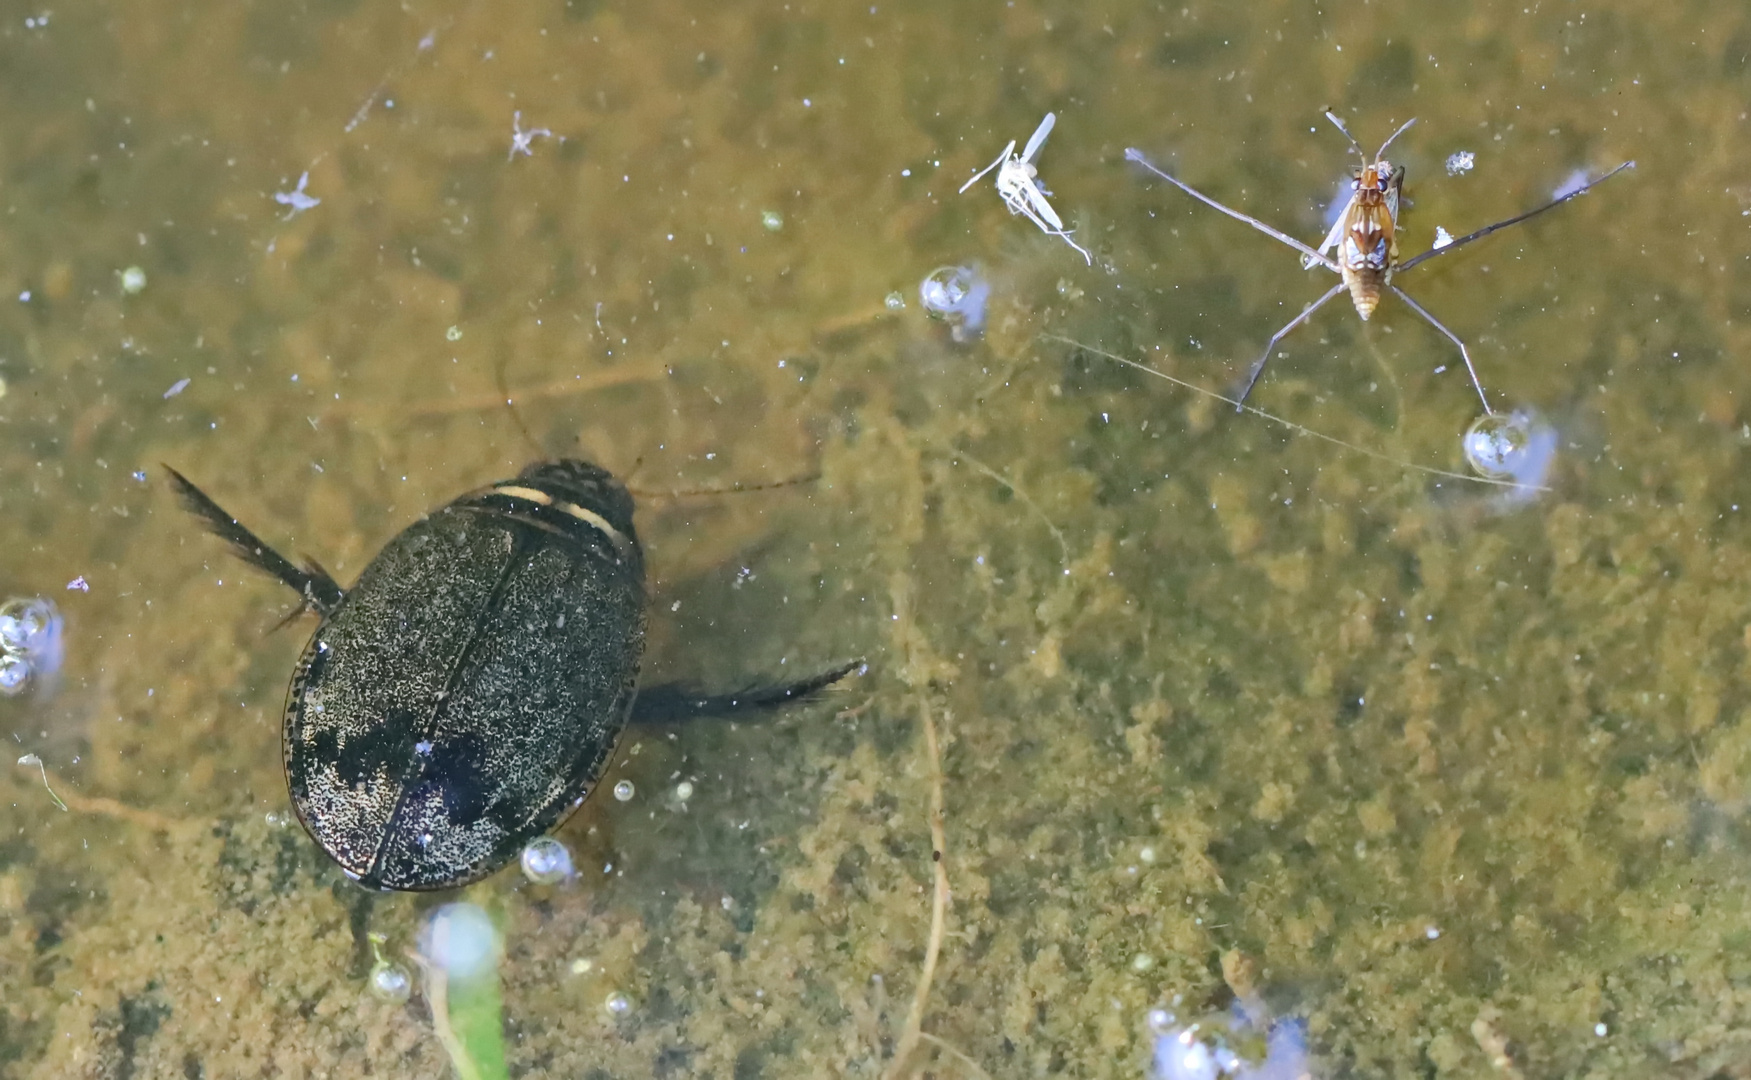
{"points": [[624, 791], [14, 674], [30, 642], [23, 624], [618, 1004], [957, 295], [1517, 446], [460, 940], [391, 983], [547, 861]]}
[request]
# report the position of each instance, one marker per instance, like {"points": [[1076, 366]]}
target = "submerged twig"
{"points": [[913, 1032], [32, 759], [97, 804], [952, 1051], [438, 998], [1293, 426], [993, 474]]}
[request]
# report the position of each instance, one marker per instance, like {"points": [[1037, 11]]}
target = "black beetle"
{"points": [[463, 697]]}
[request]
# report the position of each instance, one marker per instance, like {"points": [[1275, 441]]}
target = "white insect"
{"points": [[1018, 181], [298, 199], [521, 141]]}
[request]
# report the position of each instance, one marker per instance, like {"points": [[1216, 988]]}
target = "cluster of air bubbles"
{"points": [[1517, 447], [1192, 1052], [1460, 161], [459, 940], [1205, 1050], [547, 861], [957, 295], [30, 643]]}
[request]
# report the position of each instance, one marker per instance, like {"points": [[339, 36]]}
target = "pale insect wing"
{"points": [[1336, 234], [1041, 206], [1038, 138], [1001, 158]]}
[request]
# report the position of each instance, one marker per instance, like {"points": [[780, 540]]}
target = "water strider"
{"points": [[1365, 242]]}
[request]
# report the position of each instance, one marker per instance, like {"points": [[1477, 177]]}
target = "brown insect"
{"points": [[1364, 241]]}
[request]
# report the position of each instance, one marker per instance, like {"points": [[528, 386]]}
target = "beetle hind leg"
{"points": [[674, 702], [317, 589]]}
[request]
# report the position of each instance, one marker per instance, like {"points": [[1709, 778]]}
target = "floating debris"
{"points": [[1460, 161], [1442, 237], [31, 759], [176, 388], [460, 950]]}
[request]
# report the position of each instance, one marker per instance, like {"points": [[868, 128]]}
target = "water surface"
{"points": [[1234, 720]]}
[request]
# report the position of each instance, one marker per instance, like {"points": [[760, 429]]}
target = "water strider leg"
{"points": [[1517, 219], [1451, 336], [1308, 253], [1258, 368]]}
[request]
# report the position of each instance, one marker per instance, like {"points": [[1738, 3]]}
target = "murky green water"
{"points": [[1232, 717]]}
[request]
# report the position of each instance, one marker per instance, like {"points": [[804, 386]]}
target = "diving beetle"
{"points": [[465, 695]]}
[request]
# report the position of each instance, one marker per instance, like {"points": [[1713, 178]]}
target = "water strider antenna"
{"points": [[1354, 145], [1401, 130]]}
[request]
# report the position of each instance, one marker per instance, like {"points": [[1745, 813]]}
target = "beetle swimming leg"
{"points": [[673, 702], [318, 590]]}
